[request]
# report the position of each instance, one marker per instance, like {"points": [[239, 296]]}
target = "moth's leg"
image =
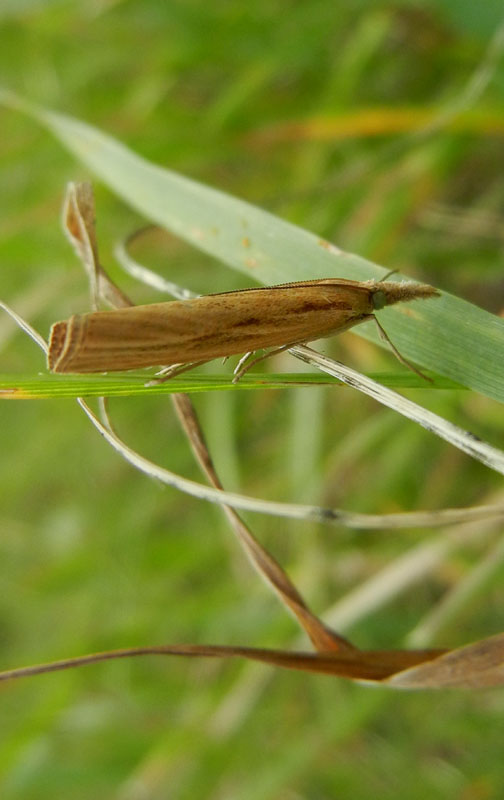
{"points": [[167, 373], [244, 364], [384, 336], [241, 364]]}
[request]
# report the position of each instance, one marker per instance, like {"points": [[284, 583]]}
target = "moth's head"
{"points": [[386, 293]]}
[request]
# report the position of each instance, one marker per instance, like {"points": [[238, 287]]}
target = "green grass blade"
{"points": [[38, 387]]}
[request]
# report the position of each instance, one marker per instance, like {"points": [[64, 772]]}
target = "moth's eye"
{"points": [[379, 299]]}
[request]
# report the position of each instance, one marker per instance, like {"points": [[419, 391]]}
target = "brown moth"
{"points": [[182, 332]]}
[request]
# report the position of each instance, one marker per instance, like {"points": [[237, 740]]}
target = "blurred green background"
{"points": [[380, 127]]}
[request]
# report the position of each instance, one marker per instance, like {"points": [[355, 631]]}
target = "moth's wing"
{"points": [[207, 327]]}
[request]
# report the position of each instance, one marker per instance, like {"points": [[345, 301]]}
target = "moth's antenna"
{"points": [[387, 275]]}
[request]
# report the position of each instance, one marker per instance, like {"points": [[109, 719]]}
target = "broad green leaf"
{"points": [[446, 335]]}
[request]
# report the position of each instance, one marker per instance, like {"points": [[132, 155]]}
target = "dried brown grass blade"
{"points": [[79, 226], [374, 666], [476, 666]]}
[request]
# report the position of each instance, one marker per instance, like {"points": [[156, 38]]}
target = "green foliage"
{"points": [[314, 115]]}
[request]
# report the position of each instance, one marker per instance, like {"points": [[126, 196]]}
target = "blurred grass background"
{"points": [[313, 111]]}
